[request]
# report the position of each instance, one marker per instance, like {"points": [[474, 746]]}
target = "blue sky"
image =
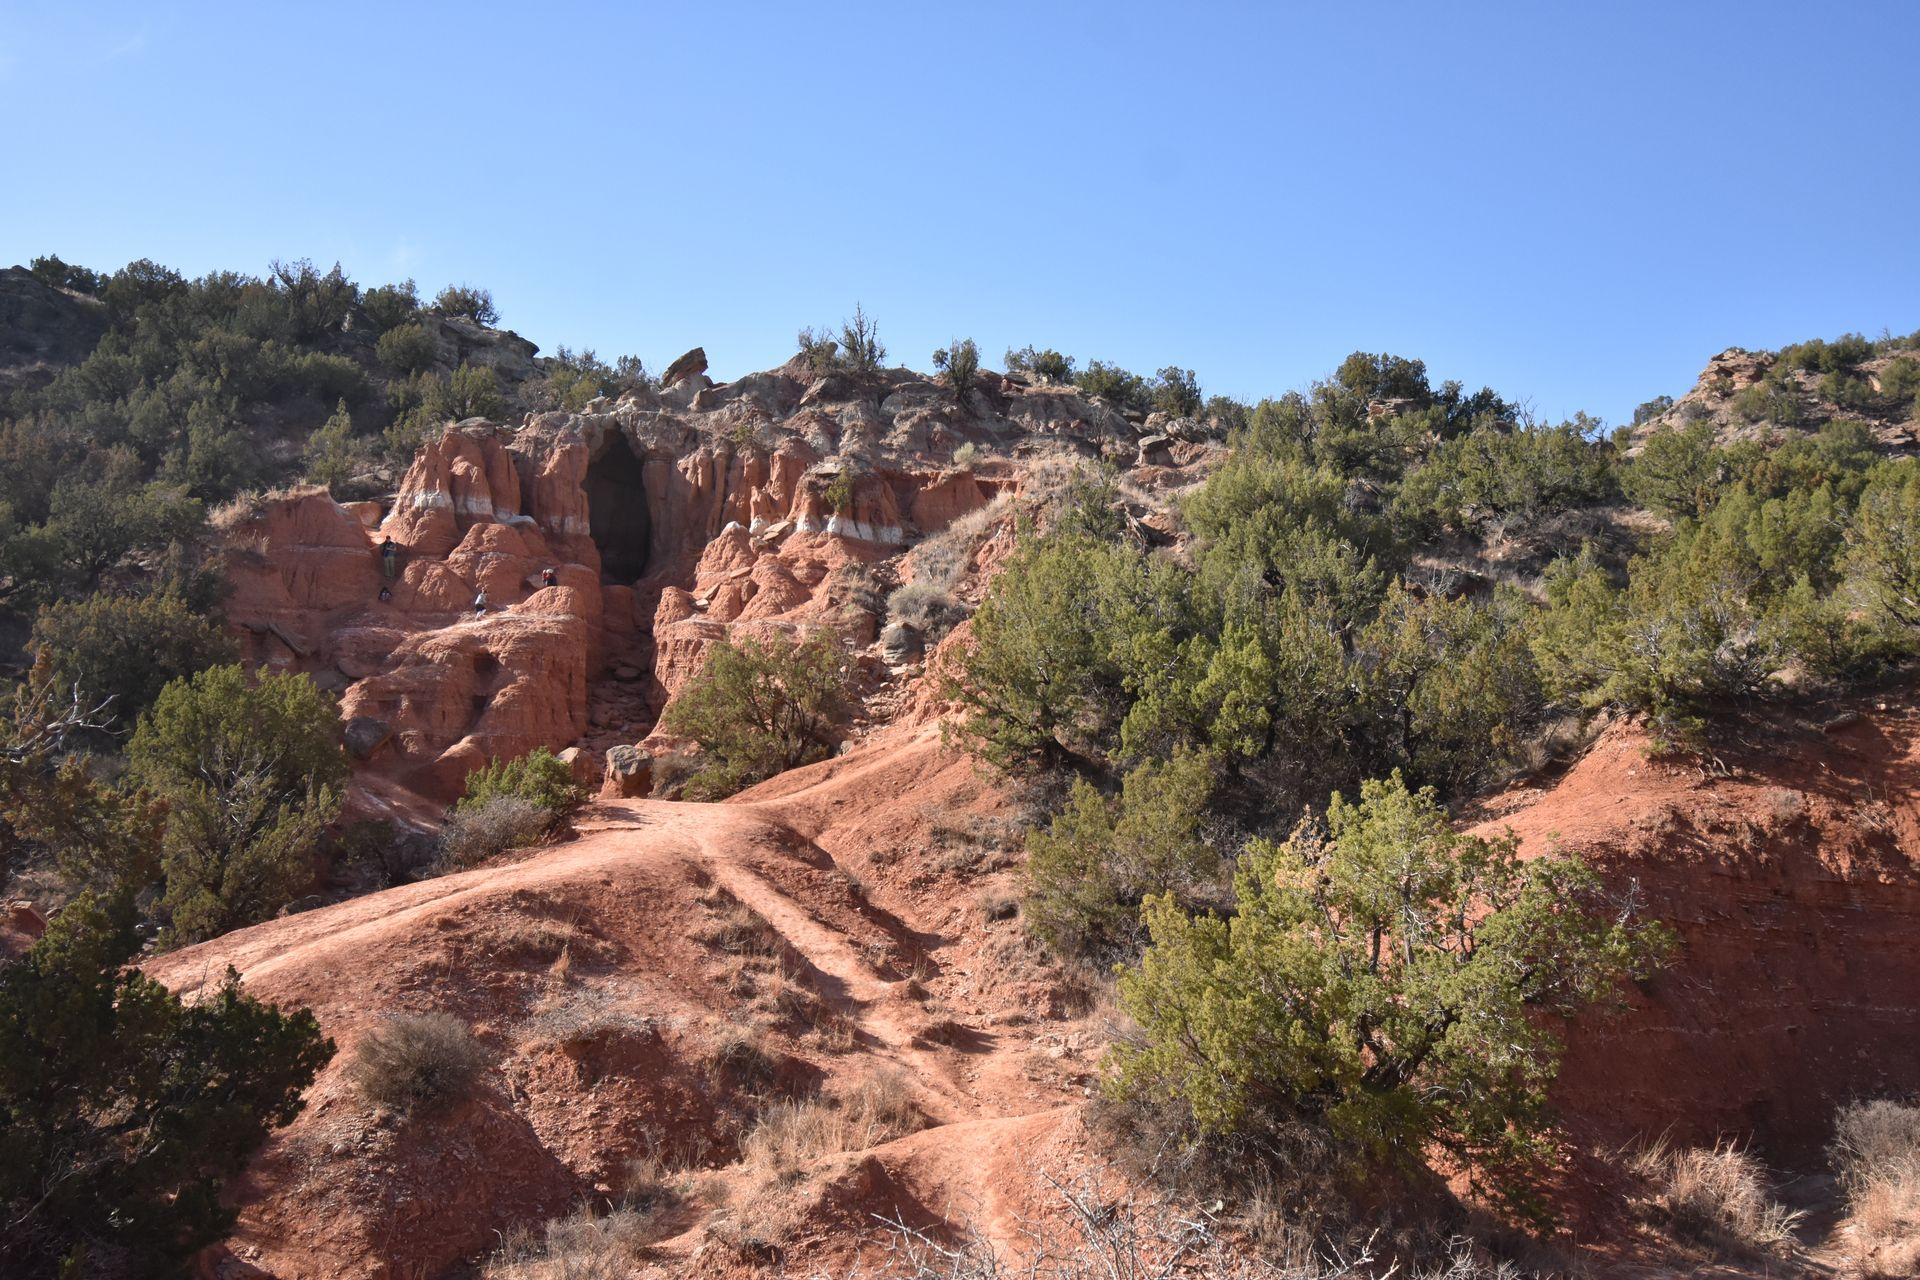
{"points": [[1574, 203]]}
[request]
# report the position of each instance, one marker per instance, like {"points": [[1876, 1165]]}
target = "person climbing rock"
{"points": [[385, 595], [389, 558], [480, 603], [550, 577]]}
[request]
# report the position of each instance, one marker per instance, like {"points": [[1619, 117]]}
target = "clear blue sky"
{"points": [[1576, 203]]}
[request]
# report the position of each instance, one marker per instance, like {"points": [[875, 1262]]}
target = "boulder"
{"points": [[629, 773], [579, 762], [1154, 451], [694, 362], [365, 735], [901, 643]]}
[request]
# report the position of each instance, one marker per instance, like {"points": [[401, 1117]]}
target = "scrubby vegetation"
{"points": [[760, 707], [1193, 719], [509, 804], [414, 1063], [123, 1110]]}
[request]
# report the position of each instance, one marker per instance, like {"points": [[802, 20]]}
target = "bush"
{"points": [[1719, 1196], [961, 363], [123, 1110], [1877, 1139], [414, 1063], [464, 302], [408, 348], [50, 270], [1383, 981], [474, 392], [1101, 857], [250, 773], [474, 833], [1676, 473], [761, 707], [929, 610], [1491, 472], [1900, 380], [584, 1245], [860, 347], [1882, 561], [1047, 366], [1124, 390], [539, 778], [390, 305], [1176, 392], [125, 649], [334, 455]]}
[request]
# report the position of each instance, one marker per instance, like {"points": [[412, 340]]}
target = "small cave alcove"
{"points": [[617, 511]]}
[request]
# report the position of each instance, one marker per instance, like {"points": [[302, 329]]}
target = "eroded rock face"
{"points": [[1794, 888], [629, 537]]}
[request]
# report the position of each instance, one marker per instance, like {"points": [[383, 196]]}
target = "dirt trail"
{"points": [[975, 1083]]}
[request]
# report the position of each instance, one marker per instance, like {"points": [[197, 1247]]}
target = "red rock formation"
{"points": [[1793, 880]]}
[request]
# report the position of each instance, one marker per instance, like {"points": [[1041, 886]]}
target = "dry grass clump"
{"points": [[1876, 1155], [791, 1136], [741, 1060], [415, 1062], [930, 610], [479, 832], [1719, 1196], [584, 1245]]}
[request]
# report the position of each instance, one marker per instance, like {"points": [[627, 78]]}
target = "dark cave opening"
{"points": [[617, 511]]}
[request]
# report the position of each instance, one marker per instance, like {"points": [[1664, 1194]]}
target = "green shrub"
{"points": [[1677, 472], [1489, 472], [1176, 392], [539, 777], [474, 392], [960, 361], [1109, 382], [124, 648], [464, 302], [1778, 402], [860, 347], [389, 306], [50, 270], [1089, 871], [1382, 980], [838, 494], [1045, 366], [333, 453], [407, 348], [1882, 559], [123, 1110], [1900, 380], [761, 707], [251, 775]]}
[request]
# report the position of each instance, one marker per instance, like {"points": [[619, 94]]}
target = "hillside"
{"points": [[1094, 644]]}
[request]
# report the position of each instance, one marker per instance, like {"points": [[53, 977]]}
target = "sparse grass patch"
{"points": [[416, 1062], [584, 1245]]}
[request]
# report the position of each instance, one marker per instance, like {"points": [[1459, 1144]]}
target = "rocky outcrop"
{"points": [[693, 362], [632, 536]]}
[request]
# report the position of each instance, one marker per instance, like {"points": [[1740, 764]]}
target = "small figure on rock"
{"points": [[385, 595], [550, 577], [389, 558], [480, 603]]}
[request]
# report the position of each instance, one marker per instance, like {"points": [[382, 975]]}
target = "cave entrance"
{"points": [[617, 511]]}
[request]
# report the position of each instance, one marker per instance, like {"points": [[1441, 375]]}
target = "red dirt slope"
{"points": [[1789, 864]]}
